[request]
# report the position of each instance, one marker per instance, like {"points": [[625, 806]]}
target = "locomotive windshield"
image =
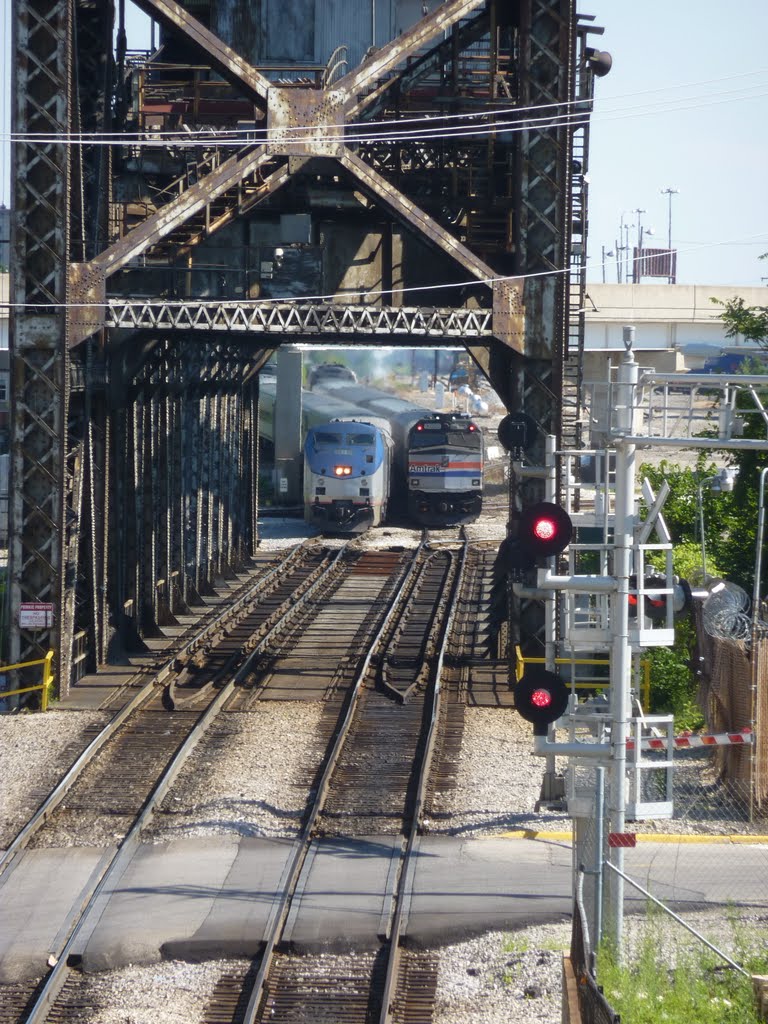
{"points": [[359, 438], [460, 433]]}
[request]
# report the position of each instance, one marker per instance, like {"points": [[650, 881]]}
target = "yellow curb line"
{"points": [[642, 837]]}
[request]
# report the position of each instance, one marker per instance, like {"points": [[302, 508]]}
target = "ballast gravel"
{"points": [[167, 993], [250, 776], [35, 752], [242, 781]]}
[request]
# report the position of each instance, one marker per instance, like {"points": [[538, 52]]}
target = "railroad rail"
{"points": [[376, 771], [148, 693], [172, 738], [195, 678], [396, 690]]}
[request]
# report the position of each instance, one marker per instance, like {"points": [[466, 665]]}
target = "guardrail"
{"points": [[46, 686]]}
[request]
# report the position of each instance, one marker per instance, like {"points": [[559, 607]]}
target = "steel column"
{"points": [[40, 239]]}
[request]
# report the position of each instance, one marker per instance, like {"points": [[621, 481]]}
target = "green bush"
{"points": [[673, 688]]}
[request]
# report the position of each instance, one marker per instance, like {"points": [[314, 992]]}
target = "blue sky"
{"points": [[685, 106]]}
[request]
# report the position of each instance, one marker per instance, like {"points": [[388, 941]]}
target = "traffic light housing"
{"points": [[543, 529], [541, 697], [517, 431], [655, 605]]}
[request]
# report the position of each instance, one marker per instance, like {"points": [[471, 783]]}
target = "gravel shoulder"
{"points": [[35, 752]]}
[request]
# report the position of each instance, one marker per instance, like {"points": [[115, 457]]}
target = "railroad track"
{"points": [[398, 687], [144, 748], [374, 779]]}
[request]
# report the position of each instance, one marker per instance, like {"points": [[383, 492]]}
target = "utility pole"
{"points": [[669, 192]]}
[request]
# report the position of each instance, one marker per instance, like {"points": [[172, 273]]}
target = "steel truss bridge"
{"points": [[223, 189]]}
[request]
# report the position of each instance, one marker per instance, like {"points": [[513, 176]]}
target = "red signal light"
{"points": [[544, 529], [419, 426], [541, 698], [472, 427]]}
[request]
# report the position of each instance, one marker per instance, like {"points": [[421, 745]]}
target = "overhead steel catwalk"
{"points": [[273, 171]]}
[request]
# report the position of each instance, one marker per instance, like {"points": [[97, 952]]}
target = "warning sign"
{"points": [[35, 615]]}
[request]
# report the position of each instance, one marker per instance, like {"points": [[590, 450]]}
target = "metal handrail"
{"points": [[645, 663], [46, 686]]}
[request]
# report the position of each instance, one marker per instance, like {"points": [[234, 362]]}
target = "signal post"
{"points": [[638, 609]]}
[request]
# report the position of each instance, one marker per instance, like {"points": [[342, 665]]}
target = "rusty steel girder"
{"points": [[222, 58], [158, 429], [87, 282], [40, 240], [322, 114]]}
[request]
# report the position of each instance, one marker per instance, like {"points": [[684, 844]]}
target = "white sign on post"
{"points": [[35, 615]]}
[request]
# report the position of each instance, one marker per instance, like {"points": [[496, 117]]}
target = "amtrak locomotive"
{"points": [[445, 470], [347, 465], [436, 476]]}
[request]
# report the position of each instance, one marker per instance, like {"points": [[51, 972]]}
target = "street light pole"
{"points": [[623, 247], [669, 192], [636, 273]]}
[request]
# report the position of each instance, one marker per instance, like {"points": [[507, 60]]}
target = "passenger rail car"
{"points": [[347, 465], [437, 466], [445, 470]]}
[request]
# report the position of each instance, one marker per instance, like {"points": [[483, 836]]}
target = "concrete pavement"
{"points": [[215, 896]]}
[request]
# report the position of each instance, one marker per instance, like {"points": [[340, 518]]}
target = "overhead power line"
{"points": [[428, 129], [368, 292]]}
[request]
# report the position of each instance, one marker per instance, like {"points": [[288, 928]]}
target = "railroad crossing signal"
{"points": [[655, 604], [543, 529], [541, 697]]}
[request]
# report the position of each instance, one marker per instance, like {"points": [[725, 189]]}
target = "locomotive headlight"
{"points": [[342, 470]]}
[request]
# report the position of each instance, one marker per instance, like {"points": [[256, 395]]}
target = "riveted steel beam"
{"points": [[418, 68], [87, 281], [223, 58], [178, 211], [398, 50], [508, 313], [40, 240], [300, 319], [410, 214]]}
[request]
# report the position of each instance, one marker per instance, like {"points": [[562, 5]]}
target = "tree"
{"points": [[721, 513], [750, 321]]}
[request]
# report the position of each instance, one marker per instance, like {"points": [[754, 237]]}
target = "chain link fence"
{"points": [[593, 1005], [707, 864]]}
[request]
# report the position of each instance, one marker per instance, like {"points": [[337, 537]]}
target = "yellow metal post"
{"points": [[47, 681]]}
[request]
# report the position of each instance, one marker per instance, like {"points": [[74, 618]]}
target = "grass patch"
{"points": [[697, 988], [515, 944]]}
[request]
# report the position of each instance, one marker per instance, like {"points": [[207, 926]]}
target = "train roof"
{"points": [[383, 402], [316, 408]]}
